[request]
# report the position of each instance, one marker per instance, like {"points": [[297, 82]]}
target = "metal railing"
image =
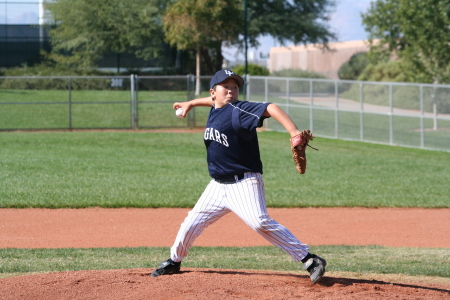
{"points": [[409, 115]]}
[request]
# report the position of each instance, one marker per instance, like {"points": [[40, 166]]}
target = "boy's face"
{"points": [[225, 92]]}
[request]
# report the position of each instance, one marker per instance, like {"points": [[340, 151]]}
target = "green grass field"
{"points": [[142, 169]]}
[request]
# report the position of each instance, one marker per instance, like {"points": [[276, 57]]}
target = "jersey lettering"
{"points": [[224, 140], [215, 135]]}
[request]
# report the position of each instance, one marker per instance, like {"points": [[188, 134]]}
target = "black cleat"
{"points": [[316, 267], [166, 267]]}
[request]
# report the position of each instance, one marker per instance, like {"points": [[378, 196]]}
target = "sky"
{"points": [[345, 21], [19, 12]]}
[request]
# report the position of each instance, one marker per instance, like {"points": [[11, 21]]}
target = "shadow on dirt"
{"points": [[327, 281]]}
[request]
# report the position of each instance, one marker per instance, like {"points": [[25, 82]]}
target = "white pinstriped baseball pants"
{"points": [[247, 200]]}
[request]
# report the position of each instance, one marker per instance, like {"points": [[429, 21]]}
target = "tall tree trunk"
{"points": [[213, 65], [219, 57], [207, 59], [197, 71]]}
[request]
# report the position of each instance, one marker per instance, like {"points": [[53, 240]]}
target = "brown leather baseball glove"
{"points": [[298, 147]]}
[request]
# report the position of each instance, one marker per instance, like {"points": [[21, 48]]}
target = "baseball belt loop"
{"points": [[236, 178]]}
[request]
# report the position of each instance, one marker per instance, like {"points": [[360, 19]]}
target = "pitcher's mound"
{"points": [[207, 284]]}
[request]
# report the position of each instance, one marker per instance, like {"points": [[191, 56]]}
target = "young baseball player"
{"points": [[235, 167]]}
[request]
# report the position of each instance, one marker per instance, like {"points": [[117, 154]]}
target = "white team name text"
{"points": [[214, 135]]}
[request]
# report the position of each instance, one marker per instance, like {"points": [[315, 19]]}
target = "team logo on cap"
{"points": [[223, 75]]}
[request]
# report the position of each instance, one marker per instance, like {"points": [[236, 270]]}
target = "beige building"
{"points": [[314, 59]]}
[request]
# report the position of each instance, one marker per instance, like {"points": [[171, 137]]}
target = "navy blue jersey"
{"points": [[231, 140]]}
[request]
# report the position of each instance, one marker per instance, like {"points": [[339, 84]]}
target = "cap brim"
{"points": [[238, 79]]}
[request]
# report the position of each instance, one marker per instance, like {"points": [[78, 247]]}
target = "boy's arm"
{"points": [[282, 117], [188, 105]]}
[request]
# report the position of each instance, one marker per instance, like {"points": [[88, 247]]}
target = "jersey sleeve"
{"points": [[247, 116]]}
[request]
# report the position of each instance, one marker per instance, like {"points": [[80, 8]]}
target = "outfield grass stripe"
{"points": [[359, 259]]}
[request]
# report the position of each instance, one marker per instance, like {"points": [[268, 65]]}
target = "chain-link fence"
{"points": [[410, 115]]}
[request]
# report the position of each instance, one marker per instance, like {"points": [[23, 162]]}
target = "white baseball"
{"points": [[179, 112]]}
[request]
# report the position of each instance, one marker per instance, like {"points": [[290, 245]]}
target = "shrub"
{"points": [[297, 73], [354, 67], [54, 83], [301, 86], [255, 70], [390, 71], [50, 70]]}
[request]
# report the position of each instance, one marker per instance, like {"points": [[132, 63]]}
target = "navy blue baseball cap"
{"points": [[223, 75]]}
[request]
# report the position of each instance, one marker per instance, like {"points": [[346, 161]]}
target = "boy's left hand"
{"points": [[298, 147]]}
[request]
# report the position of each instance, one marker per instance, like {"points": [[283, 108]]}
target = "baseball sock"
{"points": [[305, 259]]}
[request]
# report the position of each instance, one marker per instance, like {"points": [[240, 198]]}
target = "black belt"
{"points": [[230, 179]]}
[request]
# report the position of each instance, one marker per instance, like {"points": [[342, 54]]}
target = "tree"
{"points": [[200, 24], [296, 21], [86, 29], [354, 67], [416, 32]]}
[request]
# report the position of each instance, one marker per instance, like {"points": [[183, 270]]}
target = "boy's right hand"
{"points": [[183, 105]]}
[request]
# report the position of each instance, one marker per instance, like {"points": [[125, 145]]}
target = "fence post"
{"points": [[188, 88], [435, 112], [193, 118], [336, 111], [422, 129], [391, 116], [361, 114], [247, 87], [191, 86], [70, 102], [266, 90], [132, 101], [311, 103], [136, 101], [287, 96]]}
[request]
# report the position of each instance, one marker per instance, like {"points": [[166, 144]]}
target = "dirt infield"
{"points": [[85, 228]]}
